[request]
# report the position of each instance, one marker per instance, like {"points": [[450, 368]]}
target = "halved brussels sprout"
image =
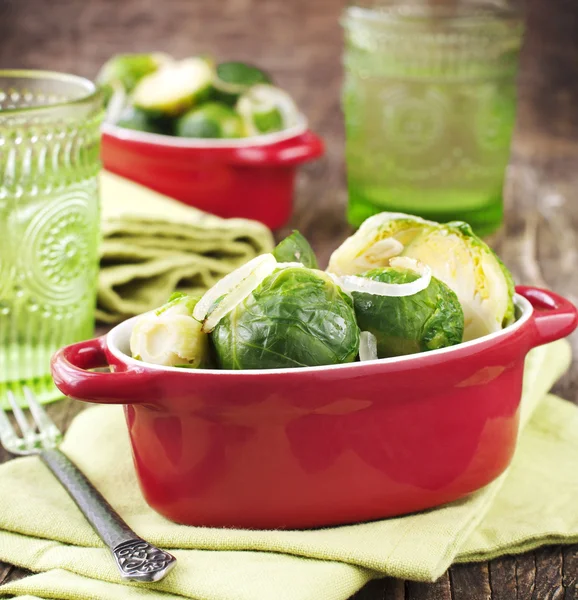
{"points": [[210, 120], [265, 108], [456, 256], [295, 248], [138, 120], [234, 78], [175, 87], [431, 319], [296, 317], [170, 336], [129, 69]]}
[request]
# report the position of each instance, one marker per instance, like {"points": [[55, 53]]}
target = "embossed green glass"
{"points": [[49, 222], [430, 102]]}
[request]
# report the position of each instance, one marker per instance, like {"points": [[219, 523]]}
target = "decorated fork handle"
{"points": [[137, 560]]}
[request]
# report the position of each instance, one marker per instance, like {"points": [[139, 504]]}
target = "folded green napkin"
{"points": [[153, 244], [534, 503]]}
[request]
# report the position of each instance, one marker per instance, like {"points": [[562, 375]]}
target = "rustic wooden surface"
{"points": [[300, 42]]}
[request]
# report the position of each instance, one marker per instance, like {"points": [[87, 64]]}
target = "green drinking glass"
{"points": [[429, 98], [49, 222]]}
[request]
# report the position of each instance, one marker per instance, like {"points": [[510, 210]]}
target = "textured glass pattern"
{"points": [[49, 222], [429, 98]]}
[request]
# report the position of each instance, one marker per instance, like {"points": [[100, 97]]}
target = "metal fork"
{"points": [[136, 559]]}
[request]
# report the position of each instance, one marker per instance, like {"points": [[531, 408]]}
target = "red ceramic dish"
{"points": [[251, 177], [293, 448]]}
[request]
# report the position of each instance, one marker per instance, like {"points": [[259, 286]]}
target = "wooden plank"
{"points": [[526, 575], [548, 578], [441, 590], [503, 581], [471, 582], [570, 572], [382, 589]]}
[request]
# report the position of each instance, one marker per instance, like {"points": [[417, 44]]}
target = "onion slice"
{"points": [[411, 264], [351, 283], [244, 288], [230, 282], [367, 346]]}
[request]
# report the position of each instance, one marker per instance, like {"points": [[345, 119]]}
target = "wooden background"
{"points": [[300, 42]]}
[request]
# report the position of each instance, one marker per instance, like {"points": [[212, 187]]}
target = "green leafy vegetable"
{"points": [[297, 317], [175, 87], [129, 69], [210, 120], [428, 320], [138, 120], [295, 248], [234, 78], [456, 256]]}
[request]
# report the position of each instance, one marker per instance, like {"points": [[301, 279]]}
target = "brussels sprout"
{"points": [[210, 120], [138, 120], [234, 78], [170, 336], [265, 108], [174, 88], [129, 69], [297, 317], [456, 256], [295, 248], [428, 320]]}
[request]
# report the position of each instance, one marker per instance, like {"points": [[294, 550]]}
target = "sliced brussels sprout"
{"points": [[295, 248], [170, 336], [428, 320], [456, 256], [297, 317], [129, 69], [210, 120], [139, 120], [175, 87], [265, 108], [234, 78]]}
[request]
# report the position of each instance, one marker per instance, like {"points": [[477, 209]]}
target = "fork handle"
{"points": [[136, 559]]}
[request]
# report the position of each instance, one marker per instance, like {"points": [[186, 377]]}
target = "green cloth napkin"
{"points": [[533, 503], [153, 244]]}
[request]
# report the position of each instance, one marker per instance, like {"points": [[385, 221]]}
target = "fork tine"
{"points": [[44, 423], [27, 431], [7, 433]]}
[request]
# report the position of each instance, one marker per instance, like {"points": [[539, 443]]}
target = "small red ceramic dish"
{"points": [[250, 177], [294, 448]]}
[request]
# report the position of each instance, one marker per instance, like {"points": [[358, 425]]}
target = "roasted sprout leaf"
{"points": [[295, 248], [296, 318], [428, 320]]}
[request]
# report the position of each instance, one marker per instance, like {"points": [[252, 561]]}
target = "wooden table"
{"points": [[300, 42]]}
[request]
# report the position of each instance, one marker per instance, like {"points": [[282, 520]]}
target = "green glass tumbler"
{"points": [[429, 98], [49, 222]]}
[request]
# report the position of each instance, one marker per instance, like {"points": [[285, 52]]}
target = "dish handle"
{"points": [[72, 375], [554, 317], [292, 152]]}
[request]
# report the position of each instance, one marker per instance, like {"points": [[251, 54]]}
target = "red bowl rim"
{"points": [[118, 338], [169, 141]]}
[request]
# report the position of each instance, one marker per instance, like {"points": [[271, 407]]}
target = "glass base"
{"points": [[482, 211], [43, 389]]}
